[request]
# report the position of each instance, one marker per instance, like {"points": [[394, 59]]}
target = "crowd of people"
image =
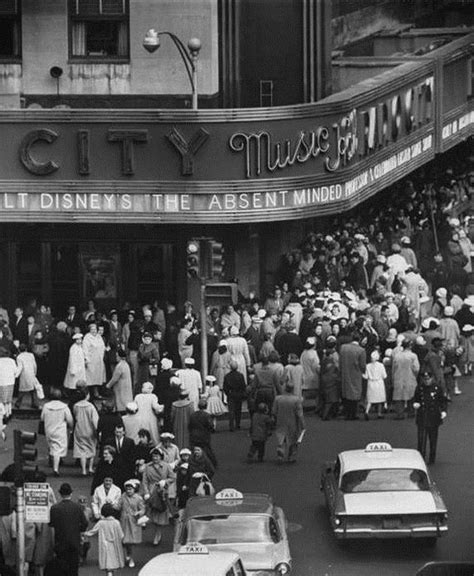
{"points": [[362, 320]]}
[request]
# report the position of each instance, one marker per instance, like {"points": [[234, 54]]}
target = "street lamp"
{"points": [[151, 43]]}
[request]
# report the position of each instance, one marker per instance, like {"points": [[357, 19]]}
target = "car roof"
{"points": [[214, 563], [209, 506], [394, 458]]}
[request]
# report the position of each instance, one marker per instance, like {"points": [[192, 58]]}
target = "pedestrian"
{"points": [[68, 520], [167, 391], [190, 380], [155, 492], [239, 350], [76, 366], [131, 507], [181, 411], [148, 359], [125, 453], [200, 430], [85, 432], [58, 422], [260, 427], [467, 344], [199, 464], [108, 419], [149, 410], [215, 406], [28, 382], [289, 423], [220, 363], [405, 368], [235, 391], [94, 350], [353, 364], [330, 378], [376, 375], [430, 404], [294, 374], [107, 492], [121, 382], [183, 478], [311, 365], [107, 467], [110, 536], [8, 373]]}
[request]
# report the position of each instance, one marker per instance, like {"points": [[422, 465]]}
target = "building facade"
{"points": [[106, 173]]}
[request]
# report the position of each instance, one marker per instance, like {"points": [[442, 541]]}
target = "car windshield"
{"points": [[231, 528], [384, 480]]}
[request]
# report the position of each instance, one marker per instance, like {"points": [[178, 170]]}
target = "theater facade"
{"points": [[100, 203]]}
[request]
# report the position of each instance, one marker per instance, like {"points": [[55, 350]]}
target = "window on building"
{"points": [[10, 29], [266, 93], [99, 29]]}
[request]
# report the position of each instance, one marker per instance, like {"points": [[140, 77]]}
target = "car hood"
{"points": [[258, 556], [376, 503]]}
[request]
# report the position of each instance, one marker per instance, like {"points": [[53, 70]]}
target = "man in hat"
{"points": [[430, 404], [434, 362], [68, 520], [234, 388], [289, 423], [190, 380]]}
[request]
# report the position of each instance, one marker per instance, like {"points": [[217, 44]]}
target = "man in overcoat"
{"points": [[353, 363], [289, 422], [430, 404]]}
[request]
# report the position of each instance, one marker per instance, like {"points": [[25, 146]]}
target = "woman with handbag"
{"points": [[132, 508], [155, 491], [148, 358], [27, 377]]}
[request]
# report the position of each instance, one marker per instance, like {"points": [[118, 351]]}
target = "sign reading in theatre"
{"points": [[295, 162]]}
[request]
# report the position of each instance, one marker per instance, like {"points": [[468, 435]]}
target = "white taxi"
{"points": [[194, 559], [382, 492], [248, 524]]}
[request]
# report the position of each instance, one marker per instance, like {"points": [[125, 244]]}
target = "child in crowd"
{"points": [[183, 478], [110, 535], [467, 344], [215, 406], [131, 507], [259, 432]]}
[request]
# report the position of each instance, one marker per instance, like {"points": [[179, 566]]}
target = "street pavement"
{"points": [[295, 487]]}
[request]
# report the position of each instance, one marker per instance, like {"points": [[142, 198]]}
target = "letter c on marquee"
{"points": [[32, 165]]}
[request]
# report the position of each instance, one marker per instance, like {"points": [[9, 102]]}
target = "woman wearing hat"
{"points": [[148, 359], [171, 452], [131, 507], [215, 406], [220, 363], [76, 366], [166, 391], [467, 345], [183, 478], [181, 411], [121, 382], [156, 476]]}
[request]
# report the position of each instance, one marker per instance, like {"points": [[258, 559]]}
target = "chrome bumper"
{"points": [[421, 532]]}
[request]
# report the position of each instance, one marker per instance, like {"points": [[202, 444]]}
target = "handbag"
{"points": [[39, 390], [41, 430], [143, 521]]}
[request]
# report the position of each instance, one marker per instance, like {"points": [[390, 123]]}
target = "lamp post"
{"points": [[151, 43]]}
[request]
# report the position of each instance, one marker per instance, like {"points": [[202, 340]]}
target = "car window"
{"points": [[384, 480], [337, 469], [239, 569], [231, 528], [230, 572], [274, 532]]}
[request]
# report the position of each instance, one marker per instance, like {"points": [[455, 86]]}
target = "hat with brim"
{"points": [[467, 328], [449, 311], [185, 451], [167, 435], [189, 361], [77, 336]]}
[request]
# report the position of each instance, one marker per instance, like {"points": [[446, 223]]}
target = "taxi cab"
{"points": [[382, 492], [248, 524], [194, 559]]}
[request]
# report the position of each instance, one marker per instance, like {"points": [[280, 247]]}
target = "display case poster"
{"points": [[100, 266]]}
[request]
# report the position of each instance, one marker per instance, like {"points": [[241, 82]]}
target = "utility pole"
{"points": [[20, 530], [203, 316]]}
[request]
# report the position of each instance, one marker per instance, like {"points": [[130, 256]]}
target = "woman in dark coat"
{"points": [[108, 467], [199, 464], [330, 379]]}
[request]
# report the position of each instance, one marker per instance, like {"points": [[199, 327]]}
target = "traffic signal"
{"points": [[217, 259], [193, 255], [7, 498], [23, 452]]}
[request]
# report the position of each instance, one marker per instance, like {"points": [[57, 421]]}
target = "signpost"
{"points": [[37, 502]]}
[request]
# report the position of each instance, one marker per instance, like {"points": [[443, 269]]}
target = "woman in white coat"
{"points": [[27, 377], [76, 366], [57, 420], [148, 411], [239, 350], [8, 372], [85, 430], [94, 350]]}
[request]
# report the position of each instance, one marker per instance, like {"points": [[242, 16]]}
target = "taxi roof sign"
{"points": [[229, 494], [378, 447], [193, 548]]}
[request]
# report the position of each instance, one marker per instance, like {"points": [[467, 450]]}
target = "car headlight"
{"points": [[282, 568]]}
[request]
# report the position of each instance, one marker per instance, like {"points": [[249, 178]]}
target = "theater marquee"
{"points": [[243, 165]]}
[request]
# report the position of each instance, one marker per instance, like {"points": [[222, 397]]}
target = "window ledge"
{"points": [[96, 60]]}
